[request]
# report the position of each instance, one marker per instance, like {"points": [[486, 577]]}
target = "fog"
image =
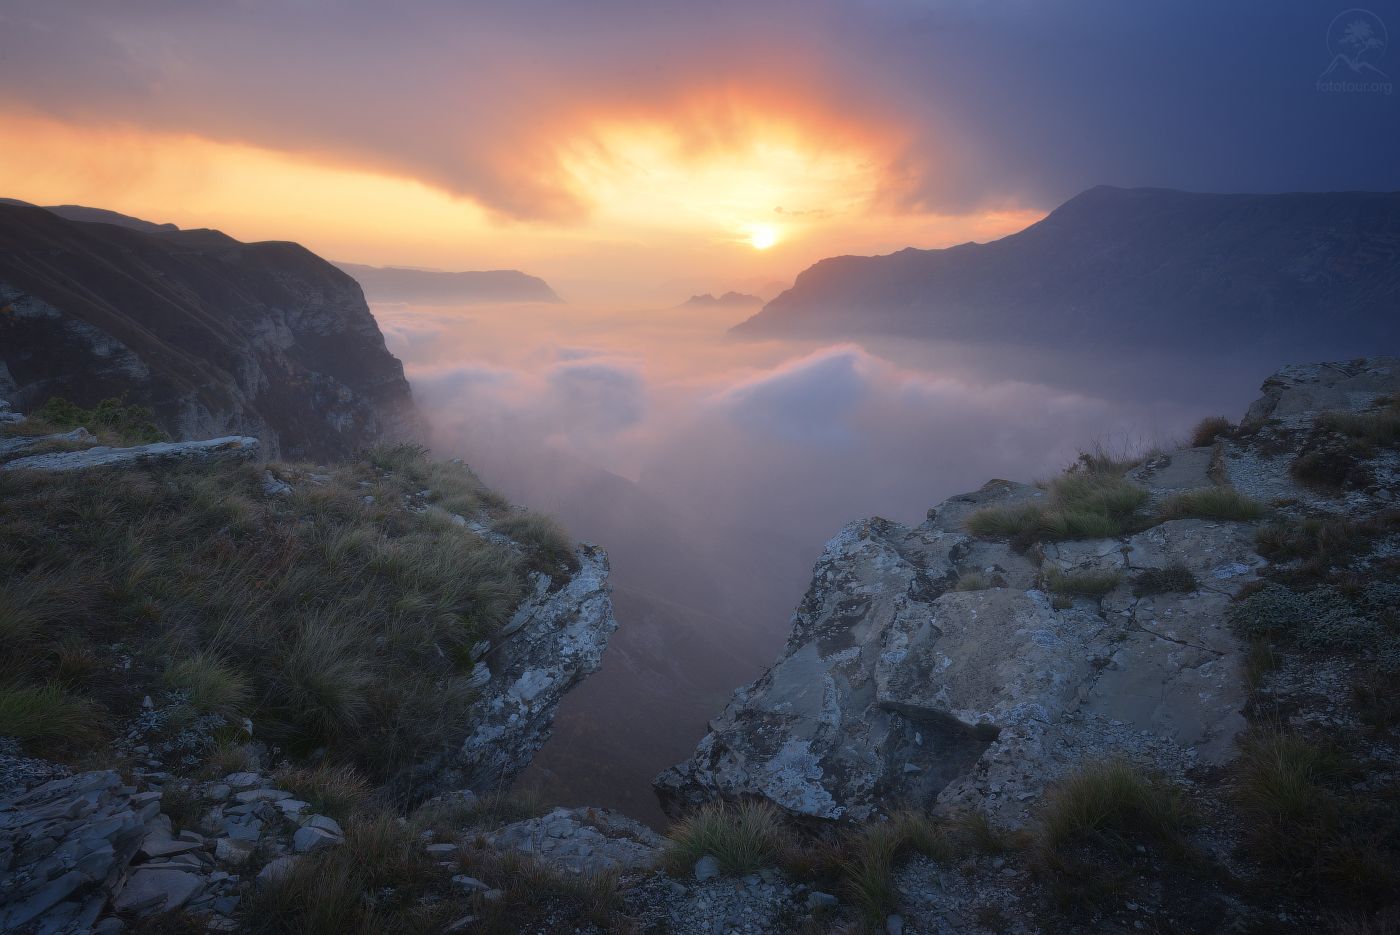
{"points": [[713, 470]]}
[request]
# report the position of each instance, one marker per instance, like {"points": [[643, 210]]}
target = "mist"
{"points": [[714, 469]]}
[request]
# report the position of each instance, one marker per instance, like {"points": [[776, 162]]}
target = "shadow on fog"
{"points": [[713, 470]]}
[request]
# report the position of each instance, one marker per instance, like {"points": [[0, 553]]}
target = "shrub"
{"points": [[743, 837], [210, 684], [1090, 583], [1209, 429], [47, 714], [1174, 577], [1320, 618], [1218, 503]]}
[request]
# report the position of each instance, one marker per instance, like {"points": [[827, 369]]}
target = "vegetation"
{"points": [[972, 581], [1175, 577], [1218, 503], [47, 715], [1209, 429], [743, 837], [1092, 500], [1085, 583], [1380, 426], [113, 418], [336, 617], [331, 790], [1094, 823], [873, 854]]}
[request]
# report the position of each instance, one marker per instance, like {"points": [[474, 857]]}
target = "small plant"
{"points": [[1083, 504], [1175, 577], [1381, 426], [1217, 503], [1087, 583], [872, 855], [1109, 804], [743, 837], [1282, 789], [46, 714], [210, 684], [972, 581], [1209, 429]]}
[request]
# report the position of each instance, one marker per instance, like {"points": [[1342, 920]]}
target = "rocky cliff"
{"points": [[1284, 275], [979, 657], [215, 336]]}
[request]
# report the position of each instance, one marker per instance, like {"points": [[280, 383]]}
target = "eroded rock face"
{"points": [[216, 336], [896, 688], [553, 641]]}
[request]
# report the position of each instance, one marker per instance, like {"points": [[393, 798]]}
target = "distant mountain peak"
{"points": [[727, 300], [437, 287]]}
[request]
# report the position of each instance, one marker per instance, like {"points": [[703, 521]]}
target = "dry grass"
{"points": [[972, 581], [743, 837], [331, 790], [336, 617], [1218, 503], [1209, 429], [47, 715], [1084, 503], [1085, 583], [1175, 577], [1379, 426]]}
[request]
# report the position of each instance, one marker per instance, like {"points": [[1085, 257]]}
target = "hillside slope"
{"points": [[1295, 275], [215, 336], [435, 287]]}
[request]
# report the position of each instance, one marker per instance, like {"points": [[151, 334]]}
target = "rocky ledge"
{"points": [[933, 668]]}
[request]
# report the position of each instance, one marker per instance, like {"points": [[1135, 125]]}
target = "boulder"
{"points": [[581, 841], [229, 448]]}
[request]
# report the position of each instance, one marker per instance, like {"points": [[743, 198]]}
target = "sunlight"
{"points": [[762, 236]]}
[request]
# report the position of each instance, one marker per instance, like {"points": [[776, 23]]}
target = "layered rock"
{"points": [[217, 337], [895, 687]]}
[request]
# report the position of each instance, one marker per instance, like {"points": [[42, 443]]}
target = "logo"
{"points": [[1357, 41]]}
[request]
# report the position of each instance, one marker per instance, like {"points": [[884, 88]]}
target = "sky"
{"points": [[631, 150]]}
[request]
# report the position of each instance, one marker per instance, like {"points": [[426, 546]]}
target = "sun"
{"points": [[762, 236]]}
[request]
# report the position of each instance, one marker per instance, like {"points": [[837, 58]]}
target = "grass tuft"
{"points": [[1217, 503], [47, 715], [1175, 577], [1209, 429], [743, 837], [1089, 583], [210, 684], [331, 790]]}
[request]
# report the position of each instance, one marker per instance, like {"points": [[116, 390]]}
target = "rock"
{"points": [[894, 687], [820, 900], [706, 868], [276, 870], [244, 780], [441, 851], [109, 926], [554, 640], [157, 890], [582, 841], [308, 840], [168, 848], [323, 823], [261, 795], [233, 851], [493, 896], [217, 792], [894, 924], [229, 448], [14, 445], [273, 486], [470, 884]]}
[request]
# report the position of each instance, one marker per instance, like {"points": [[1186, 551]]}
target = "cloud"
{"points": [[592, 398], [806, 400], [960, 104]]}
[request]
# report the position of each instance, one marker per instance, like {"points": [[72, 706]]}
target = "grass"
{"points": [[1209, 429], [1175, 577], [331, 620], [1091, 583], [1380, 426], [972, 581], [329, 789], [1217, 503], [545, 537], [743, 837], [1282, 790], [210, 684], [1094, 822], [873, 854], [111, 418], [1091, 501], [47, 715], [450, 814]]}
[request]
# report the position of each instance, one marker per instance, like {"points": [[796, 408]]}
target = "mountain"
{"points": [[95, 216], [433, 287], [215, 336], [1305, 273], [728, 300]]}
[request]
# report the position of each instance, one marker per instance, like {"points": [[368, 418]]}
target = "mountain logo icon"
{"points": [[1356, 40]]}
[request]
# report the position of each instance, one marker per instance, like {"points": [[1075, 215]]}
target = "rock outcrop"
{"points": [[215, 336], [231, 448], [904, 682]]}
